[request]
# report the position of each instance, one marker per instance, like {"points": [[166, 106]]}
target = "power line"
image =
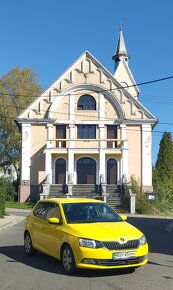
{"points": [[104, 90], [75, 114]]}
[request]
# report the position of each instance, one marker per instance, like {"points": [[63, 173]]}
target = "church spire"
{"points": [[121, 52], [122, 71]]}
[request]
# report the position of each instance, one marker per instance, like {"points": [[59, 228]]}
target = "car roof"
{"points": [[70, 200]]}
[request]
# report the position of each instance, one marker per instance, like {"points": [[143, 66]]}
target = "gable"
{"points": [[85, 73]]}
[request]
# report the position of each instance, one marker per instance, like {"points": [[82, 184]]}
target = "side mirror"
{"points": [[54, 221], [124, 217]]}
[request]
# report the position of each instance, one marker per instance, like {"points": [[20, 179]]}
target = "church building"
{"points": [[86, 130]]}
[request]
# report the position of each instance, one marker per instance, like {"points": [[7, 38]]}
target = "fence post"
{"points": [[132, 202]]}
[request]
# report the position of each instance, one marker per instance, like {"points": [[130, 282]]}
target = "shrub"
{"points": [[142, 204], [2, 203], [7, 189]]}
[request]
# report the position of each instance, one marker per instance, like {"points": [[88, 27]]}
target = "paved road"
{"points": [[18, 272]]}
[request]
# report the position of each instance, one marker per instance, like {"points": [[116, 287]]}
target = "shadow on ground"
{"points": [[45, 263], [158, 239]]}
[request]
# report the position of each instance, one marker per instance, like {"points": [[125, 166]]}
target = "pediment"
{"points": [[85, 71]]}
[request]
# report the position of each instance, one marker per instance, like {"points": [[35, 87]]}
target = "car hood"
{"points": [[105, 231]]}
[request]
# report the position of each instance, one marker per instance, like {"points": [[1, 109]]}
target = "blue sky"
{"points": [[48, 36]]}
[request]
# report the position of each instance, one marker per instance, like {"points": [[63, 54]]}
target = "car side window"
{"points": [[41, 210], [53, 211]]}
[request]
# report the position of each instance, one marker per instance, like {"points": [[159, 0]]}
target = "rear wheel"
{"points": [[29, 250], [67, 259]]}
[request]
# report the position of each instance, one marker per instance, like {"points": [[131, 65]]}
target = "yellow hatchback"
{"points": [[84, 233]]}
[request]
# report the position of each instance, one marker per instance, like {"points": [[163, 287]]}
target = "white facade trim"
{"points": [[146, 155], [124, 159], [26, 153]]}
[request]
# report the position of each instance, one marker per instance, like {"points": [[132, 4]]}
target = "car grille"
{"points": [[133, 244], [109, 262]]}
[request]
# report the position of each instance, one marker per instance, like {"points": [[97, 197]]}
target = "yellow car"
{"points": [[84, 233]]}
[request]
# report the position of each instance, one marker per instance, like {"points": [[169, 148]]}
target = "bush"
{"points": [[143, 206], [2, 203], [7, 189]]}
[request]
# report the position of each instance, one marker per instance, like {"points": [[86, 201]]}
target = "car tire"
{"points": [[67, 259], [29, 250]]}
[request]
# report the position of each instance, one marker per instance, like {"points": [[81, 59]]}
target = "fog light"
{"points": [[89, 261]]}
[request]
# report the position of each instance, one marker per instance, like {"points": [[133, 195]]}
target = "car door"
{"points": [[53, 233], [38, 225]]}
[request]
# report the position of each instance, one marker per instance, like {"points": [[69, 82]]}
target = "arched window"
{"points": [[86, 102]]}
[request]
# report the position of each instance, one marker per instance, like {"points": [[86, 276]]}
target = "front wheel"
{"points": [[29, 250], [67, 259]]}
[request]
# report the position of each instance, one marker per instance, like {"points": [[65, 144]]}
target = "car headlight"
{"points": [[143, 240], [88, 243]]}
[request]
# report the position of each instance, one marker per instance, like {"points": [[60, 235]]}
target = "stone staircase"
{"points": [[114, 199], [57, 190], [86, 190]]}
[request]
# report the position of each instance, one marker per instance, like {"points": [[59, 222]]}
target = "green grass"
{"points": [[20, 205]]}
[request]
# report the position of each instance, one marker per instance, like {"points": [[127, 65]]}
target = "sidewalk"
{"points": [[11, 219]]}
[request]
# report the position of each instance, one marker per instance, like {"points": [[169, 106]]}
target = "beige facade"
{"points": [[87, 127]]}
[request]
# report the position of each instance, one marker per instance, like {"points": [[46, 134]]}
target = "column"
{"points": [[124, 150], [70, 173], [102, 161], [25, 162], [48, 166], [146, 156], [49, 135]]}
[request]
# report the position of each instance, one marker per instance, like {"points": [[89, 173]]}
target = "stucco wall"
{"points": [[39, 136], [133, 134]]}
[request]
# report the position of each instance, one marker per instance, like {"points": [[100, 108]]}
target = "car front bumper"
{"points": [[103, 259]]}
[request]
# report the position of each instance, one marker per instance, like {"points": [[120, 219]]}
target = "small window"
{"points": [[41, 210], [86, 102], [47, 210], [86, 132], [53, 211]]}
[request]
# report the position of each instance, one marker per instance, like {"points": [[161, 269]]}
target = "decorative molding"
{"points": [[133, 113], [70, 80], [101, 75]]}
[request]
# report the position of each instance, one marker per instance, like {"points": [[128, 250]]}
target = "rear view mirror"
{"points": [[54, 220], [124, 217]]}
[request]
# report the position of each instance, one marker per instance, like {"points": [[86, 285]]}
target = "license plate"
{"points": [[123, 255]]}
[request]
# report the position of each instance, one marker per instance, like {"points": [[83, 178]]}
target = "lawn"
{"points": [[20, 205]]}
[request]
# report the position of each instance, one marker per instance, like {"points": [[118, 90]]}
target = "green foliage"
{"points": [[163, 174], [143, 206], [164, 163], [2, 202], [20, 205], [18, 89], [7, 190]]}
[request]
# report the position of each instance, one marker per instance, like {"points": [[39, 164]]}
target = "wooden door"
{"points": [[60, 171], [112, 171], [86, 171]]}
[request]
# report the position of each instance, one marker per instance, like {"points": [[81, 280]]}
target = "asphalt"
{"points": [[12, 217]]}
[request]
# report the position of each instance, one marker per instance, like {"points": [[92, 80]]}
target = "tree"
{"points": [[164, 163], [18, 88]]}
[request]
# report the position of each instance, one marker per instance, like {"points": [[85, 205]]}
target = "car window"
{"points": [[53, 211], [47, 210], [89, 212], [41, 210]]}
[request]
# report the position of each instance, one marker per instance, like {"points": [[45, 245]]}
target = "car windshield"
{"points": [[90, 212]]}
